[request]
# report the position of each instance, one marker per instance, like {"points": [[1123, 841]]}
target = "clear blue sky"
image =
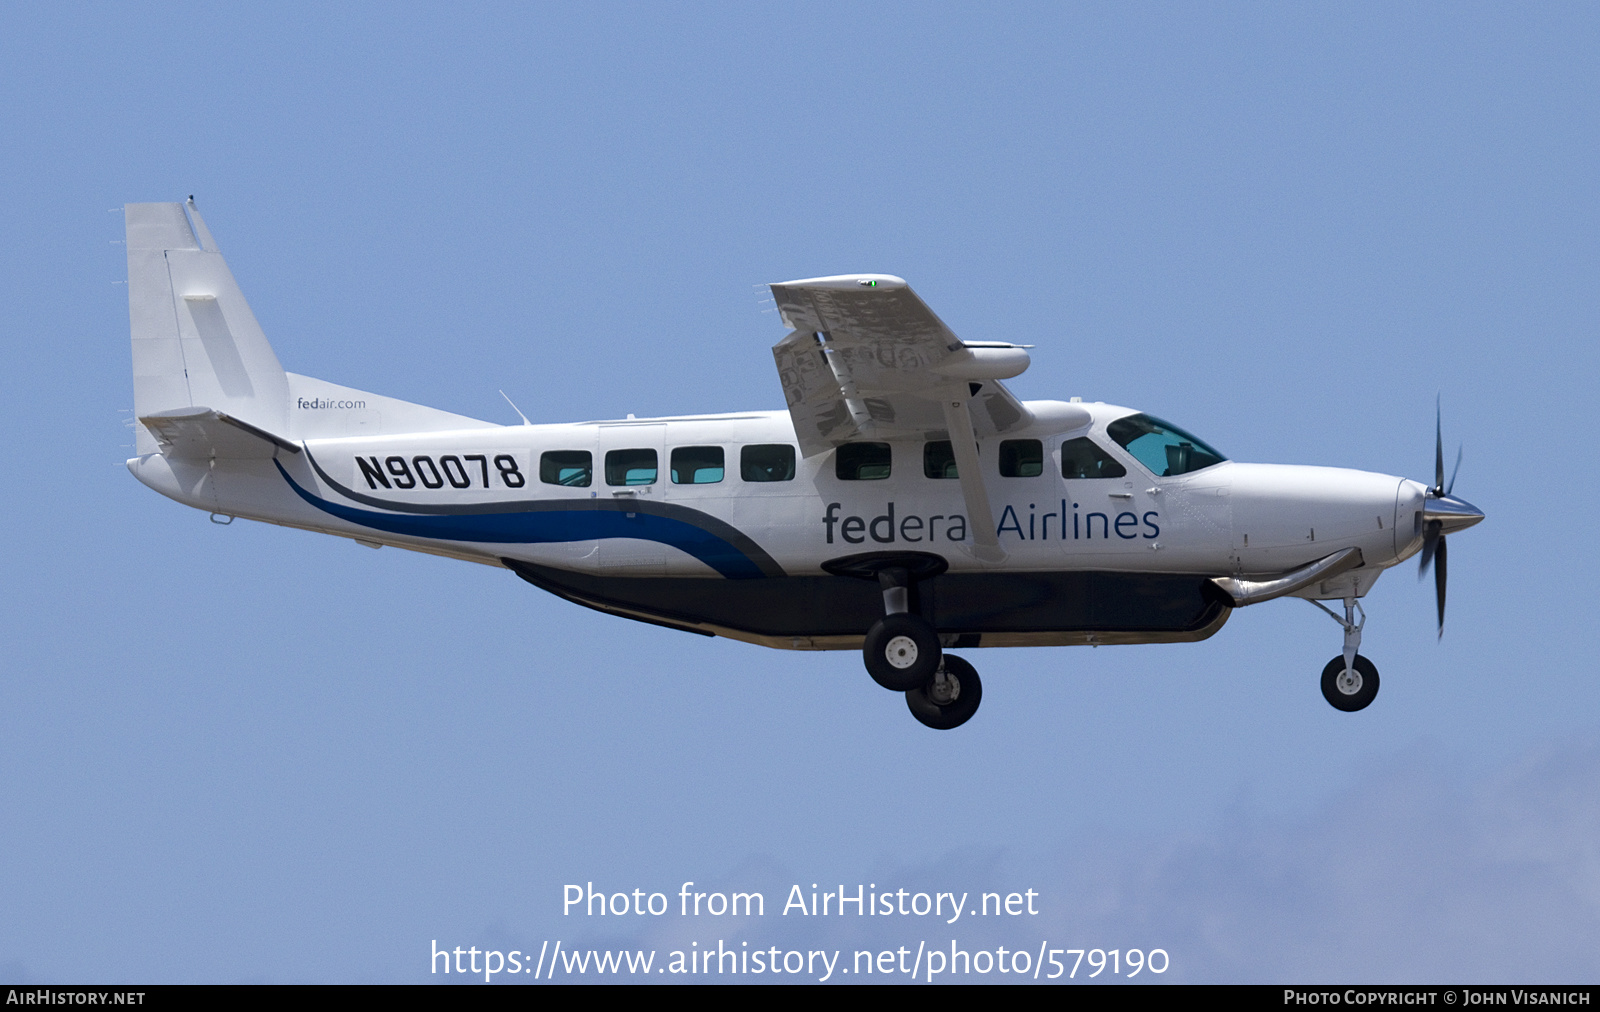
{"points": [[250, 753]]}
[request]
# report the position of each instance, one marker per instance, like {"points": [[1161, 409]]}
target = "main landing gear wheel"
{"points": [[1349, 690], [902, 652], [948, 701]]}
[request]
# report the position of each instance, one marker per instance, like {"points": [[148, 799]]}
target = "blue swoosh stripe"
{"points": [[548, 527]]}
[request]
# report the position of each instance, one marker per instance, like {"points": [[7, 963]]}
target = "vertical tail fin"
{"points": [[195, 341]]}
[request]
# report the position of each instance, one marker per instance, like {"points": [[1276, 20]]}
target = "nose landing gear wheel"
{"points": [[1349, 690], [902, 652], [949, 702]]}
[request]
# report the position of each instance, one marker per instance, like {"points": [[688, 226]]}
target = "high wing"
{"points": [[867, 359]]}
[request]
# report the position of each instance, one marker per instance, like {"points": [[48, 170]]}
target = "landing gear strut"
{"points": [[1350, 681], [902, 650]]}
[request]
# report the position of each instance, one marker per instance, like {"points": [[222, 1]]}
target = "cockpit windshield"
{"points": [[1161, 446]]}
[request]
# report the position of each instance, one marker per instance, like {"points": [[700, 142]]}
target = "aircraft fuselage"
{"points": [[1109, 559]]}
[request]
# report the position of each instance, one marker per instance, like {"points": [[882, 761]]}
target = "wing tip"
{"points": [[847, 282]]}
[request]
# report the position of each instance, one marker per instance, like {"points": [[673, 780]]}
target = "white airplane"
{"points": [[904, 504]]}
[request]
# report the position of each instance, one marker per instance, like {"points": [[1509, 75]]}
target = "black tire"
{"points": [[943, 717], [1348, 697], [902, 652]]}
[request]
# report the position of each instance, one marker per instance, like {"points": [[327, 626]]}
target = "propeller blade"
{"points": [[1431, 539], [1453, 472], [1438, 583], [1438, 449]]}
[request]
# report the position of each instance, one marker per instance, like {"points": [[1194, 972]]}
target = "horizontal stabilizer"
{"points": [[201, 434]]}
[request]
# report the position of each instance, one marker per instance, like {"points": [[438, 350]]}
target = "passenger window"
{"points": [[566, 467], [1021, 458], [862, 461], [697, 465], [1081, 458], [767, 462], [631, 467], [939, 460]]}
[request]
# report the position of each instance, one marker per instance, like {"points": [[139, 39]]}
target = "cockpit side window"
{"points": [[1161, 446], [1081, 458]]}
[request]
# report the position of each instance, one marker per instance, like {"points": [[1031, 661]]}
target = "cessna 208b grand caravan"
{"points": [[905, 504]]}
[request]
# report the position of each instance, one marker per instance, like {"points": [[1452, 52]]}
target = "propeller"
{"points": [[1442, 512]]}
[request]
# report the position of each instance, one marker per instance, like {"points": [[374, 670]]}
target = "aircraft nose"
{"points": [[1451, 513]]}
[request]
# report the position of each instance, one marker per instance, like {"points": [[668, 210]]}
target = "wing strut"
{"points": [[964, 445], [847, 386]]}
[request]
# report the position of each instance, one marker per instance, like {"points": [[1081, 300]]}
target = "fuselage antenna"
{"points": [[516, 409]]}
